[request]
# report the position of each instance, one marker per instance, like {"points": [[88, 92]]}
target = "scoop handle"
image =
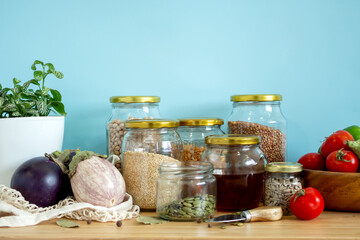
{"points": [[263, 214]]}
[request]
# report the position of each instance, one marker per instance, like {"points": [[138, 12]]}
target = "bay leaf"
{"points": [[150, 220], [66, 223]]}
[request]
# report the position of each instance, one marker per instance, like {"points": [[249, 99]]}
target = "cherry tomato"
{"points": [[307, 203], [313, 161], [335, 142], [342, 161]]}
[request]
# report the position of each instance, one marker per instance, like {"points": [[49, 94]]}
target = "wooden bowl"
{"points": [[341, 191]]}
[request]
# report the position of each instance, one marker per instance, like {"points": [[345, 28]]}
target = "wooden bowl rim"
{"points": [[331, 172]]}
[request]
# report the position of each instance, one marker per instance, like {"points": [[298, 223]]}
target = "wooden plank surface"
{"points": [[329, 225]]}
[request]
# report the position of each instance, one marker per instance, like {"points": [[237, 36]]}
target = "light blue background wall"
{"points": [[195, 55]]}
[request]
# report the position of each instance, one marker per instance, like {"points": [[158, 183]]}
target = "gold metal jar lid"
{"points": [[232, 139], [256, 98], [134, 99], [201, 121], [152, 123], [283, 167]]}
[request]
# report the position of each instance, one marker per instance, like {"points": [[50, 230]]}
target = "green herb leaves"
{"points": [[20, 101], [149, 220], [66, 223]]}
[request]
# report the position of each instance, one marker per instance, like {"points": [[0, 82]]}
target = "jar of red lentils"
{"points": [[193, 131]]}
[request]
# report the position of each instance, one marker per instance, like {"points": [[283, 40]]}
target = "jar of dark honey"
{"points": [[238, 169]]}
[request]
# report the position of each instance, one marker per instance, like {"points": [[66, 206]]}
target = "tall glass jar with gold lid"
{"points": [[193, 131], [238, 169], [127, 108], [146, 145], [260, 114]]}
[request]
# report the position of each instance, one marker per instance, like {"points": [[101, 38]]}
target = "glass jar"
{"points": [[147, 144], [283, 180], [261, 115], [186, 191], [193, 131], [127, 108], [238, 169]]}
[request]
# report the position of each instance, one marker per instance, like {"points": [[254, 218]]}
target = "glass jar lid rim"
{"points": [[175, 166], [256, 98], [152, 123], [232, 139], [200, 121], [134, 99], [283, 167]]}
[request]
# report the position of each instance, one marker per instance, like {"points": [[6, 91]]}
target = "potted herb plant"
{"points": [[26, 128]]}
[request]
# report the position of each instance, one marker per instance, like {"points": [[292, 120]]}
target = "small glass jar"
{"points": [[186, 191], [127, 108], [146, 145], [261, 115], [283, 180], [193, 131], [238, 169]]}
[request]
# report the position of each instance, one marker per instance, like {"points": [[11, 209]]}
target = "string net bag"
{"points": [[15, 211]]}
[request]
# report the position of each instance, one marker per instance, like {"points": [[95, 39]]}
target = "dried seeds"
{"points": [[190, 208], [116, 133], [273, 141], [279, 191], [192, 152], [119, 223], [140, 172]]}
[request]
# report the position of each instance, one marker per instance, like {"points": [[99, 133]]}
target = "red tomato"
{"points": [[313, 161], [342, 161], [335, 142], [307, 203]]}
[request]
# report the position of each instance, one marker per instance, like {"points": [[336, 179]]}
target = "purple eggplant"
{"points": [[41, 182]]}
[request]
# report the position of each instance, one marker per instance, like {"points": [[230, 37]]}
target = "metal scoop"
{"points": [[260, 214]]}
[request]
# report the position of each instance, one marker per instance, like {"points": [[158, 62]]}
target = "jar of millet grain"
{"points": [[127, 108], [193, 131], [147, 144], [261, 115]]}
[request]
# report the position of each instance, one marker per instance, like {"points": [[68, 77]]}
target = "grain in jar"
{"points": [[260, 115], [193, 131], [147, 144], [127, 108]]}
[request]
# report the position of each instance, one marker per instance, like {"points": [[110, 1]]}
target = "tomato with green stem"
{"points": [[335, 142], [342, 161], [307, 203]]}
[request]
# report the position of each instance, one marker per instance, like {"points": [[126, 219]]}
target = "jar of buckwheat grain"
{"points": [[147, 144], [261, 115], [127, 108], [193, 131], [282, 181]]}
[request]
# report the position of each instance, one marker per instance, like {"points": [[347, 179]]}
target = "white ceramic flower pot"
{"points": [[26, 137]]}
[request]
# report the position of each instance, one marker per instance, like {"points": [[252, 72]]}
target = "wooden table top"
{"points": [[329, 225]]}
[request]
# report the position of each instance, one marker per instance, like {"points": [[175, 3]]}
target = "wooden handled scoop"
{"points": [[260, 214]]}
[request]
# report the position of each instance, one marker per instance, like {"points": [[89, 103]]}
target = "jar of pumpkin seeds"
{"points": [[283, 180], [186, 191], [127, 108]]}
